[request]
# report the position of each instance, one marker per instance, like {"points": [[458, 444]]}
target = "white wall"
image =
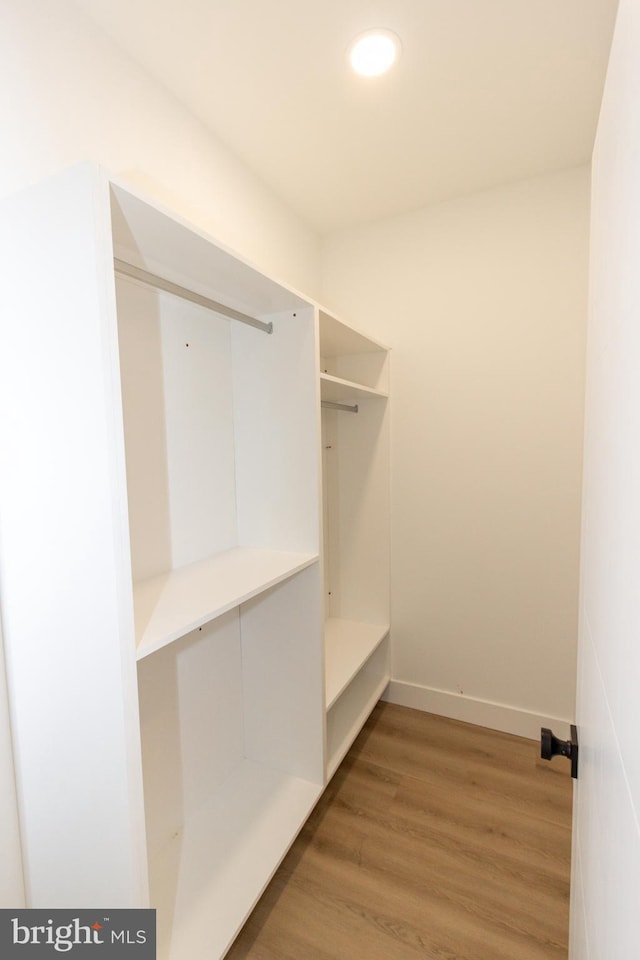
{"points": [[11, 880], [483, 301], [67, 93], [606, 845]]}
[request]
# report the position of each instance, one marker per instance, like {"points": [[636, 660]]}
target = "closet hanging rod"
{"points": [[330, 405], [137, 273]]}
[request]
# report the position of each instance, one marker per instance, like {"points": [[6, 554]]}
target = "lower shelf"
{"points": [[350, 710], [348, 644], [207, 879]]}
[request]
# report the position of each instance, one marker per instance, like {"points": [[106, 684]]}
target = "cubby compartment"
{"points": [[352, 365], [355, 448], [231, 723], [222, 471], [347, 714], [221, 479]]}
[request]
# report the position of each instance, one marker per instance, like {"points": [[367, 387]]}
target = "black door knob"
{"points": [[551, 746]]}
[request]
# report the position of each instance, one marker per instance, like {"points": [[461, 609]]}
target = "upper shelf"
{"points": [[337, 339], [352, 365], [338, 390], [172, 604], [154, 239]]}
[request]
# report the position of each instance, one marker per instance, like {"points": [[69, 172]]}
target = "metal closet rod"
{"points": [[330, 405], [137, 273]]}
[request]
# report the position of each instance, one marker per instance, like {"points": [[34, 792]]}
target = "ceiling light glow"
{"points": [[373, 52]]}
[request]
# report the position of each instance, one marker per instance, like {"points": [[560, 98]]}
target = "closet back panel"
{"points": [[191, 724], [356, 465], [178, 414]]}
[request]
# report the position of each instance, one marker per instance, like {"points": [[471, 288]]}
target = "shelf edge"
{"points": [[146, 648]]}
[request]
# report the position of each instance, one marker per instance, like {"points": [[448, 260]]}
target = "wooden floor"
{"points": [[435, 839]]}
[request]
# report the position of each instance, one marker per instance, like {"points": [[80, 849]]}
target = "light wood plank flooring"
{"points": [[435, 839]]}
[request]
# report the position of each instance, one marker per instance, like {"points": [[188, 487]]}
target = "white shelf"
{"points": [[149, 236], [208, 878], [350, 711], [338, 339], [348, 645], [338, 390], [171, 605]]}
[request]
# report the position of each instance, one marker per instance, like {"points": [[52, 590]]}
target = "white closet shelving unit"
{"points": [[177, 707], [354, 383], [159, 567]]}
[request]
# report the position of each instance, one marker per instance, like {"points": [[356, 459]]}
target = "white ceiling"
{"points": [[486, 91]]}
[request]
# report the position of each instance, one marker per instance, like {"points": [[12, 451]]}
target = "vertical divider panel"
{"points": [[331, 511], [178, 414], [64, 567]]}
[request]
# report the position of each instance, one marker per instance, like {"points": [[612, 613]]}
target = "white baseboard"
{"points": [[483, 713]]}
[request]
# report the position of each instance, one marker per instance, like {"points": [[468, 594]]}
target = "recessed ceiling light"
{"points": [[373, 52]]}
